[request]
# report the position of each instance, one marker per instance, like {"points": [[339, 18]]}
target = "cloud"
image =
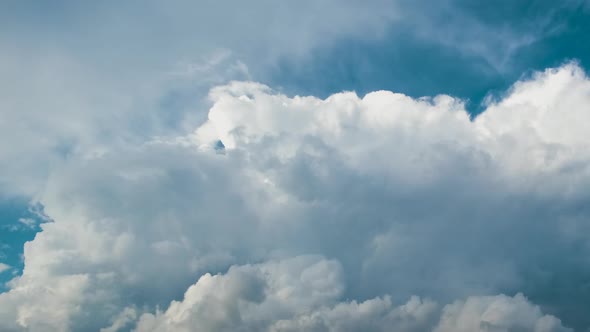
{"points": [[492, 36], [496, 313], [98, 99], [43, 307], [290, 296], [251, 297], [24, 224], [28, 223], [322, 211], [4, 267], [347, 204], [62, 94]]}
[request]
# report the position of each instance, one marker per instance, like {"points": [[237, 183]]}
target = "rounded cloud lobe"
{"points": [[296, 213]]}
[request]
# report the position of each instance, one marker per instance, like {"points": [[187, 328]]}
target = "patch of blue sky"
{"points": [[19, 222], [405, 63]]}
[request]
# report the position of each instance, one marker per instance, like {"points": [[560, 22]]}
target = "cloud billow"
{"points": [[377, 213]]}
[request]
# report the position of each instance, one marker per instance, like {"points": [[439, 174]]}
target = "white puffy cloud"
{"points": [[300, 294], [43, 305], [251, 297], [297, 294], [401, 196], [496, 313], [378, 314]]}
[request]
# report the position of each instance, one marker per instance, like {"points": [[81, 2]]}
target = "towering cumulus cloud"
{"points": [[380, 213]]}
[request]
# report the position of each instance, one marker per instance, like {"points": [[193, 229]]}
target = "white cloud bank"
{"points": [[291, 296], [398, 197]]}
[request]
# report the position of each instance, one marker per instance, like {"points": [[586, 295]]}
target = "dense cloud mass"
{"points": [[64, 93], [380, 213]]}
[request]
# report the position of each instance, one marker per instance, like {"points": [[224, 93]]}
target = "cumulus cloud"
{"points": [[250, 297], [64, 94], [301, 294], [320, 214], [297, 294], [496, 313]]}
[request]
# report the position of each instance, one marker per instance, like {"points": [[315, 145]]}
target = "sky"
{"points": [[327, 165]]}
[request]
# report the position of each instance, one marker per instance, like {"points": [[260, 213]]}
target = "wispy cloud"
{"points": [[4, 267]]}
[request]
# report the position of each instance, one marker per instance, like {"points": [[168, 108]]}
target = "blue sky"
{"points": [[16, 212], [111, 112], [422, 67]]}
